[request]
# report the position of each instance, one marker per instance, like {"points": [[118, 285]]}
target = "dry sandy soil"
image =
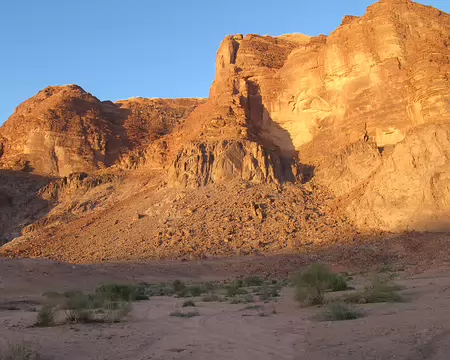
{"points": [[418, 328]]}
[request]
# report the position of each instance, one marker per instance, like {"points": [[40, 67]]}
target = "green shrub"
{"points": [[253, 280], [121, 292], [379, 290], [195, 290], [338, 311], [188, 303], [178, 285], [312, 283], [21, 351], [242, 300], [338, 283], [46, 316], [235, 288], [267, 292], [80, 315], [160, 290], [115, 311]]}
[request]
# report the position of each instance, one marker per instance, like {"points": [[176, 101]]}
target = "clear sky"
{"points": [[117, 49]]}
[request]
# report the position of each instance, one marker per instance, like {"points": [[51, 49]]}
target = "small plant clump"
{"points": [[46, 316], [188, 303], [178, 285], [338, 311], [312, 283], [379, 290], [188, 314], [253, 280], [121, 292]]}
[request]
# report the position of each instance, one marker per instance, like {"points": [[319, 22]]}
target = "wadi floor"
{"points": [[417, 328]]}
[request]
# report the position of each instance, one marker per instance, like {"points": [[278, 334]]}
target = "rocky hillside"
{"points": [[303, 141], [64, 129]]}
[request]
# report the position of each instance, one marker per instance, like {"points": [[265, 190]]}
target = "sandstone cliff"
{"points": [[64, 129], [303, 141]]}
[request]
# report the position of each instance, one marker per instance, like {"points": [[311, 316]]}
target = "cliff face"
{"points": [[411, 188], [383, 74], [64, 129], [376, 77], [328, 134]]}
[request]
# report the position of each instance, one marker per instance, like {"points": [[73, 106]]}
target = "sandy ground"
{"points": [[416, 329]]}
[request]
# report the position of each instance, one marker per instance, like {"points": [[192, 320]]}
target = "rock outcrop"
{"points": [[63, 130], [199, 164], [411, 188], [385, 73]]}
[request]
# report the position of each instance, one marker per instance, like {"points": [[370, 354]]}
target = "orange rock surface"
{"points": [[303, 141]]}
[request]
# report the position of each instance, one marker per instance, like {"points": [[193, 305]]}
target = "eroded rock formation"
{"points": [[64, 129], [363, 112]]}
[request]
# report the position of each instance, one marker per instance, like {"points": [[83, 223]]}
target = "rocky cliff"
{"points": [[303, 140], [64, 129]]}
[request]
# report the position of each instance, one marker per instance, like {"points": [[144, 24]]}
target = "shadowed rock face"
{"points": [[64, 129]]}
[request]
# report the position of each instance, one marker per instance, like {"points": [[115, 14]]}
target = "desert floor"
{"points": [[418, 328]]}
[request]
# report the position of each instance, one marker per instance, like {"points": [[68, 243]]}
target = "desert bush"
{"points": [[338, 311], [253, 280], [312, 283], [195, 290], [266, 292], [242, 300], [379, 290], [121, 292], [188, 314], [21, 351], [116, 311], [46, 316], [111, 311], [161, 290], [178, 285], [188, 303], [235, 288], [338, 283]]}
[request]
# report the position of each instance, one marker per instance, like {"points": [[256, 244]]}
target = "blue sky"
{"points": [[117, 49]]}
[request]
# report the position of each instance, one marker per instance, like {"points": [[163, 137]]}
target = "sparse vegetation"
{"points": [[338, 283], [188, 303], [46, 316], [178, 285], [22, 351], [195, 290], [312, 283], [242, 300], [379, 290], [338, 311], [188, 314], [253, 280], [122, 292], [266, 292], [108, 303]]}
